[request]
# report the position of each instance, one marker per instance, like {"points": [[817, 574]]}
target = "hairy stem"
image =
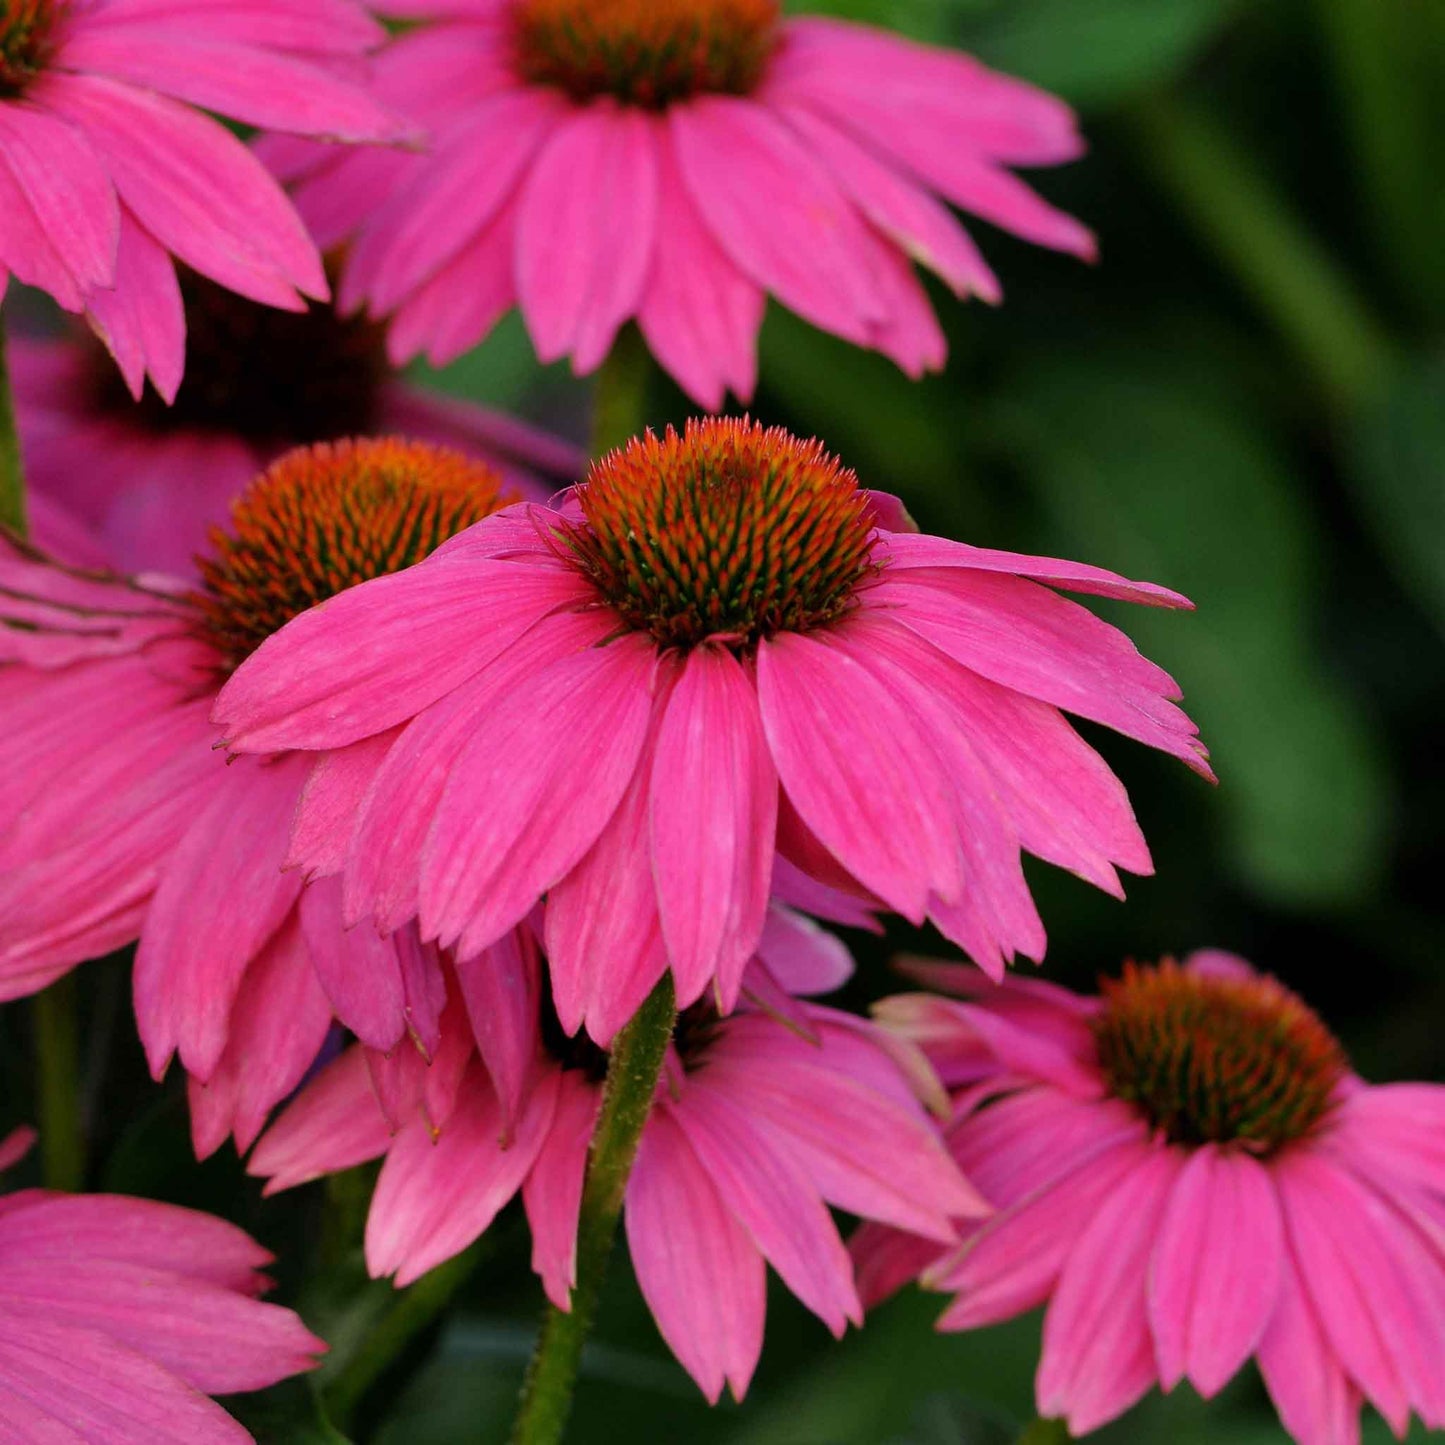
{"points": [[632, 1074]]}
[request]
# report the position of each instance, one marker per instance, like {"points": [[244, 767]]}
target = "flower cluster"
{"points": [[487, 817]]}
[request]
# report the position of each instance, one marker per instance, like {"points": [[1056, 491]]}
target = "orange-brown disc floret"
{"points": [[325, 518], [728, 531], [644, 52], [1214, 1058], [25, 36]]}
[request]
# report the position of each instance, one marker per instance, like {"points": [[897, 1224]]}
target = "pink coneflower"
{"points": [[1188, 1173], [122, 821], [761, 1121], [108, 169], [118, 1317], [742, 658], [151, 479], [675, 161]]}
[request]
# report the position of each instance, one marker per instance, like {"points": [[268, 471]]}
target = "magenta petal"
{"points": [[373, 656], [1098, 1356], [512, 820], [596, 178], [436, 1195], [502, 988], [859, 770], [330, 805], [701, 1275], [714, 810], [335, 1123], [197, 944], [1214, 1276], [777, 213], [1317, 1401], [66, 187], [552, 1193]]}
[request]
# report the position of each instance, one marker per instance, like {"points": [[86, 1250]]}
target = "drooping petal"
{"points": [[502, 988], [1215, 1272], [552, 1192], [714, 808], [702, 1277]]}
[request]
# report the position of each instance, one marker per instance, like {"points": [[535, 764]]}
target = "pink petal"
{"points": [[885, 1259], [586, 232], [1317, 1401], [330, 805], [375, 655], [773, 1199], [702, 1277], [502, 988], [513, 821], [66, 188], [278, 1025], [801, 956], [552, 1192], [1098, 1356], [699, 313], [197, 944], [714, 812], [335, 1123], [436, 1195], [777, 213], [1215, 1273], [859, 769]]}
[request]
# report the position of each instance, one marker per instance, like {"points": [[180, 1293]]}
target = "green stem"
{"points": [[1045, 1432], [57, 1084], [1302, 289], [12, 472], [632, 1074], [411, 1311], [1383, 55], [619, 404]]}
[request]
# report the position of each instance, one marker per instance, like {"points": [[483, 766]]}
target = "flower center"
{"points": [[269, 376], [1217, 1059], [730, 531], [25, 32], [326, 517], [644, 52]]}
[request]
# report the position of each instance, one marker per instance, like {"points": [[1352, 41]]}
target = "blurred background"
{"points": [[1244, 400]]}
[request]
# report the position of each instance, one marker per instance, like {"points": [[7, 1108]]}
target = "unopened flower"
{"points": [[109, 168], [761, 1121], [121, 821], [1188, 1174], [152, 479], [676, 161], [118, 1317], [741, 659]]}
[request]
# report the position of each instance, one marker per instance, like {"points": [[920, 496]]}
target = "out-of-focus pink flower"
{"points": [[1188, 1174], [122, 821], [118, 1317], [761, 1121], [675, 161], [151, 479], [109, 168], [745, 662]]}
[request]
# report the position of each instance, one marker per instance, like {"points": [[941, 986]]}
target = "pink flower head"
{"points": [[674, 161], [151, 480], [109, 168], [745, 664], [1188, 1174], [761, 1121], [119, 1316], [122, 821]]}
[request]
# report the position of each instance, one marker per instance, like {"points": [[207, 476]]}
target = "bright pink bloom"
{"points": [[761, 1121], [1188, 1174], [675, 161], [118, 1317], [119, 819], [744, 663], [109, 167], [151, 480]]}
